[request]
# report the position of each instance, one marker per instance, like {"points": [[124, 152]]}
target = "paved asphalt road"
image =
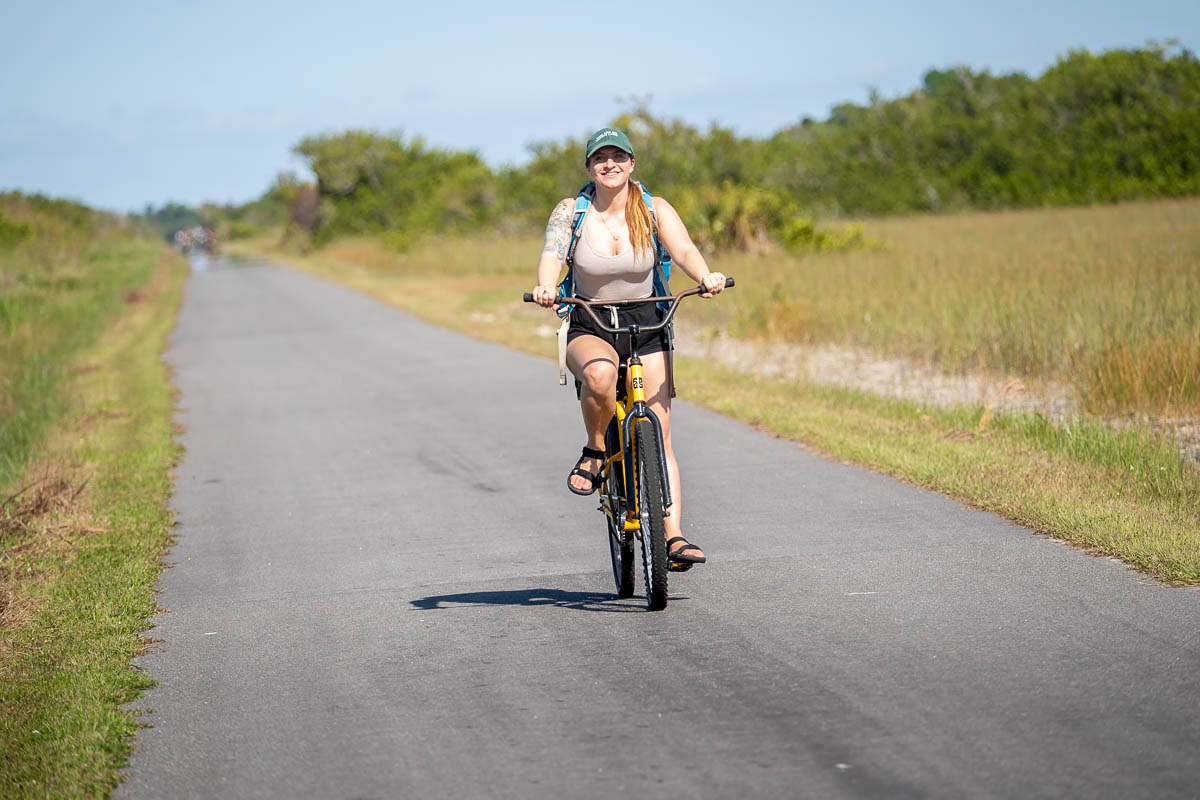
{"points": [[383, 589]]}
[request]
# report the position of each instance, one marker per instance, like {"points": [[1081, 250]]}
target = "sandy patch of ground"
{"points": [[895, 377], [892, 377]]}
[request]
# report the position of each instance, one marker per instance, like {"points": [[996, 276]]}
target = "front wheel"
{"points": [[650, 509]]}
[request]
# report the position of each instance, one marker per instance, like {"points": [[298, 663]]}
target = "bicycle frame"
{"points": [[637, 409], [638, 450], [633, 406]]}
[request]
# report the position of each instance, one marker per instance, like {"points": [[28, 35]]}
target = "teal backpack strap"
{"points": [[662, 259], [583, 201]]}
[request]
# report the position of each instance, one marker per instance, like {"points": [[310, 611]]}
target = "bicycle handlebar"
{"points": [[586, 305]]}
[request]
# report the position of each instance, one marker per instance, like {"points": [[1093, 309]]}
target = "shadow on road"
{"points": [[579, 601]]}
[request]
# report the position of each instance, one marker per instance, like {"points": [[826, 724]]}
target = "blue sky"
{"points": [[119, 104]]}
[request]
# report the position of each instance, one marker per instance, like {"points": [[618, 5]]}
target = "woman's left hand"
{"points": [[713, 283]]}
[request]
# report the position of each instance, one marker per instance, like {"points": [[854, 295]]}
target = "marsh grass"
{"points": [[1105, 300]]}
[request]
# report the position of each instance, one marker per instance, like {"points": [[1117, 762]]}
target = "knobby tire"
{"points": [[650, 507]]}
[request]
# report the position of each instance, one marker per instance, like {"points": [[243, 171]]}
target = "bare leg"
{"points": [[593, 362], [658, 397]]}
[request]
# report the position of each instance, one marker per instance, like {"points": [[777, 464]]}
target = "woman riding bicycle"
{"points": [[615, 260]]}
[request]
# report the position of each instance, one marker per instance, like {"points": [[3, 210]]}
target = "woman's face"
{"points": [[610, 167]]}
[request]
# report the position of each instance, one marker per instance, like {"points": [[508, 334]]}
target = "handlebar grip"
{"points": [[728, 282], [528, 297]]}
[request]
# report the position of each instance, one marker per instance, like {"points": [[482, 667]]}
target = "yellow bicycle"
{"points": [[635, 494]]}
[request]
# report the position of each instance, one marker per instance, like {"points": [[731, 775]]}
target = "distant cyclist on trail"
{"points": [[614, 258]]}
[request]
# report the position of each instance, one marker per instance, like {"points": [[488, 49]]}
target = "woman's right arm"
{"points": [[554, 253]]}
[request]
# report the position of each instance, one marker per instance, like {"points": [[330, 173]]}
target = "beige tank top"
{"points": [[620, 277]]}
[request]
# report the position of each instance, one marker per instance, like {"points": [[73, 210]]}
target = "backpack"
{"points": [[662, 259], [662, 277]]}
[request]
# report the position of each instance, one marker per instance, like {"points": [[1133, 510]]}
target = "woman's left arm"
{"points": [[684, 252]]}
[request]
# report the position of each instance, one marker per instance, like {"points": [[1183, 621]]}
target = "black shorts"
{"points": [[647, 314]]}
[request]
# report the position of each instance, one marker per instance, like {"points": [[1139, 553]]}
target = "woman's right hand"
{"points": [[544, 295]]}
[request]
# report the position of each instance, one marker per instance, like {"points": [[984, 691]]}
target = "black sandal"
{"points": [[678, 555], [594, 477]]}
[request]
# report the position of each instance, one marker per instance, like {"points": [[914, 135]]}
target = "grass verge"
{"points": [[82, 540], [1124, 494], [1120, 492], [63, 282]]}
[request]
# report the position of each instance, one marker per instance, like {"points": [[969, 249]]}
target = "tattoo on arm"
{"points": [[558, 230]]}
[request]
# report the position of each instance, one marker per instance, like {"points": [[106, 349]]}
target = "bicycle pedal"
{"points": [[680, 566]]}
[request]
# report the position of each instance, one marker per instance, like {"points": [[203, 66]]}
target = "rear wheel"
{"points": [[620, 541], [650, 509], [620, 544]]}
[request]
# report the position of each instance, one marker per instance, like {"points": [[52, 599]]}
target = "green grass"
{"points": [[61, 284], [77, 575], [1125, 494]]}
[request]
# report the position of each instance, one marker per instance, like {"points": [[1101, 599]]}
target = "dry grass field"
{"points": [[1105, 300]]}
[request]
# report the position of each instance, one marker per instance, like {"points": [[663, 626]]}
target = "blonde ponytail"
{"points": [[639, 220]]}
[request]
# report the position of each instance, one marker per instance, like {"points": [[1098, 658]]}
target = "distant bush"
{"points": [[171, 217], [371, 183], [729, 217], [802, 235], [13, 232], [240, 229], [37, 227]]}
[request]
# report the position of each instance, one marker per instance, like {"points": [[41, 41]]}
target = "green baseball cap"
{"points": [[608, 137]]}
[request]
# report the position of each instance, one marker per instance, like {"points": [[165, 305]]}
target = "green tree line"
{"points": [[1093, 128]]}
